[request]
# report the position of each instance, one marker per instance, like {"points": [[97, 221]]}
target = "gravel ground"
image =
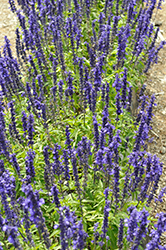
{"points": [[156, 84]]}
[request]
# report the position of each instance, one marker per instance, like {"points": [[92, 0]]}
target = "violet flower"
{"points": [[120, 234], [81, 68], [12, 111], [43, 107], [131, 12], [156, 172], [115, 26], [54, 67], [87, 2], [80, 241], [95, 234], [141, 133], [24, 123], [156, 234], [33, 203], [108, 28], [15, 163], [68, 140], [103, 92], [60, 85], [87, 90], [105, 117], [62, 231], [142, 108], [2, 168], [149, 110], [3, 142], [92, 55], [48, 171], [93, 30], [55, 192], [96, 132], [124, 88], [7, 50], [83, 152], [56, 165], [141, 231], [33, 65], [75, 171], [69, 91], [132, 224], [31, 100], [161, 194], [18, 44], [26, 221], [77, 32], [70, 34], [30, 129], [107, 94], [12, 233], [101, 17], [12, 6], [66, 165], [106, 213], [61, 54], [21, 19], [29, 162], [93, 100]]}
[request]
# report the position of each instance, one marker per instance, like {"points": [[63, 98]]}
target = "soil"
{"points": [[155, 84]]}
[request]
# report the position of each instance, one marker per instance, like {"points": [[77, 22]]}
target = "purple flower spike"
{"points": [[106, 213], [30, 129], [66, 165], [24, 122], [79, 243], [68, 140], [13, 119], [120, 235], [156, 233], [161, 194], [132, 224], [7, 50], [141, 230], [12, 233], [55, 192], [56, 165], [75, 171], [30, 170], [48, 171], [33, 203], [96, 132], [3, 142], [60, 85], [15, 163]]}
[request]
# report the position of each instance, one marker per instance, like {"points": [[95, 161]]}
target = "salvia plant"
{"points": [[75, 171]]}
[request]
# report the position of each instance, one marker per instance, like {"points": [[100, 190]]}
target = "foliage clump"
{"points": [[75, 172]]}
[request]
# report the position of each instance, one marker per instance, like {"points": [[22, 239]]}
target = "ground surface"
{"points": [[8, 21], [156, 84]]}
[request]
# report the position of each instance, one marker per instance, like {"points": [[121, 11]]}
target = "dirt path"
{"points": [[8, 22], [156, 84]]}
